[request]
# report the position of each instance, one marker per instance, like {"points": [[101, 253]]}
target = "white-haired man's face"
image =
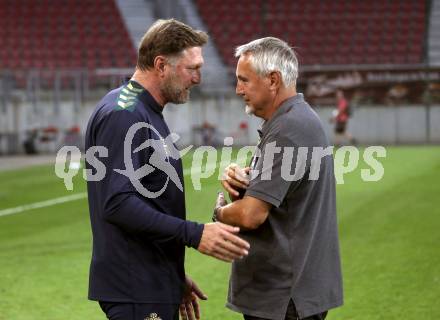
{"points": [[253, 88]]}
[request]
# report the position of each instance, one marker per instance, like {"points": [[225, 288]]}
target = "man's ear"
{"points": [[159, 65], [275, 80]]}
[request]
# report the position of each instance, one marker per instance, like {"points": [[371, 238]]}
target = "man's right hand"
{"points": [[235, 179], [220, 241]]}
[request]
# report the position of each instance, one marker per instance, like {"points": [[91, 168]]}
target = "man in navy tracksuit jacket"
{"points": [[138, 216]]}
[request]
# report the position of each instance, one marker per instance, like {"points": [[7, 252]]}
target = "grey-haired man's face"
{"points": [[253, 88]]}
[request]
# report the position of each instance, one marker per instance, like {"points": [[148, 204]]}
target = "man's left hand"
{"points": [[189, 308]]}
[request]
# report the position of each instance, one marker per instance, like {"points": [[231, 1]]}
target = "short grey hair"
{"points": [[271, 54]]}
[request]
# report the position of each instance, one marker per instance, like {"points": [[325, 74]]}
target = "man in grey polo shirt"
{"points": [[288, 206]]}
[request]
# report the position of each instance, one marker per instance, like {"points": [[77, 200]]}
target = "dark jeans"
{"points": [[291, 314], [139, 311]]}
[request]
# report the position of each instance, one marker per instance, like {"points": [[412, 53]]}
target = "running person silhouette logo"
{"points": [[163, 150]]}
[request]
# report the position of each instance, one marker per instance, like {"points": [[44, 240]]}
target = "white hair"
{"points": [[271, 54]]}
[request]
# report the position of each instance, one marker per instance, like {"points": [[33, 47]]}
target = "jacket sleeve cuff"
{"points": [[194, 233]]}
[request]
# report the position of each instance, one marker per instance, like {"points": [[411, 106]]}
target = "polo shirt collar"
{"points": [[282, 109]]}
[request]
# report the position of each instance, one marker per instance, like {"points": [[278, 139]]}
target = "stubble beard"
{"points": [[173, 92]]}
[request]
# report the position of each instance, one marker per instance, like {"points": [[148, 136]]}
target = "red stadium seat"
{"points": [[370, 32], [58, 33]]}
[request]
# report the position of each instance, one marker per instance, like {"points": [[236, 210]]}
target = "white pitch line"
{"points": [[43, 204], [78, 196]]}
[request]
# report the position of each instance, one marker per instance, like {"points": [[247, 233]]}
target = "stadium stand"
{"points": [[58, 57], [44, 34], [434, 35], [323, 32]]}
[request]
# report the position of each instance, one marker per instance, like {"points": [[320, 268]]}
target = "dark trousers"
{"points": [[139, 311], [291, 314]]}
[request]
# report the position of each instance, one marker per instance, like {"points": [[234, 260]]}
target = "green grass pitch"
{"points": [[389, 232]]}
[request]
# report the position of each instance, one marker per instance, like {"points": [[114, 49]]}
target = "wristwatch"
{"points": [[214, 214]]}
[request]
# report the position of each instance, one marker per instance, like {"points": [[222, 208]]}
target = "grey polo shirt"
{"points": [[295, 253]]}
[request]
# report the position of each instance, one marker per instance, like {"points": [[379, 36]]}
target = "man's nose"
{"points": [[197, 77], [239, 90]]}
